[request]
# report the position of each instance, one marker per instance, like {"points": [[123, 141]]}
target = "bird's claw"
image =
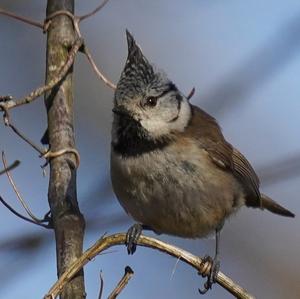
{"points": [[212, 276], [132, 237]]}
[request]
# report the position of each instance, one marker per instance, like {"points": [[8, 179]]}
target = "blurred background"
{"points": [[243, 58]]}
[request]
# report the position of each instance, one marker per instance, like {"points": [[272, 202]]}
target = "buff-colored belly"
{"points": [[175, 195]]}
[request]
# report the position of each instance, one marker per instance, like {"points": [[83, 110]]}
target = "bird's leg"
{"points": [[215, 264], [133, 235]]}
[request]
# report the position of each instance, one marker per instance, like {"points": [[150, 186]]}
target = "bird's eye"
{"points": [[151, 102]]}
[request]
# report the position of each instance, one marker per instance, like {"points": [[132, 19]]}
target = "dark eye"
{"points": [[151, 102]]}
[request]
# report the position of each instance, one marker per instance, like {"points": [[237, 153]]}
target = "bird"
{"points": [[172, 169]]}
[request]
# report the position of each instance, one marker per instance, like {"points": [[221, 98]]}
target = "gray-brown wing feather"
{"points": [[247, 175], [224, 155]]}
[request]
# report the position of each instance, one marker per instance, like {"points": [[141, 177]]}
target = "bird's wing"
{"points": [[224, 155]]}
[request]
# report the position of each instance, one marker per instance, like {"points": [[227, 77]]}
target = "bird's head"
{"points": [[148, 98]]}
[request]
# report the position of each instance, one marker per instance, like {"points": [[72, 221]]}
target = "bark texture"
{"points": [[68, 222]]}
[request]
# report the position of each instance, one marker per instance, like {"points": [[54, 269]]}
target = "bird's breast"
{"points": [[176, 190]]}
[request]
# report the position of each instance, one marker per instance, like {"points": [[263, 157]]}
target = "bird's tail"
{"points": [[274, 207]]}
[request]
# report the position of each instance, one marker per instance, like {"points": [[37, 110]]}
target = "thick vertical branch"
{"points": [[68, 222]]}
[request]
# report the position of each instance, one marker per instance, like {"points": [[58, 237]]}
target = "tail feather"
{"points": [[274, 207]]}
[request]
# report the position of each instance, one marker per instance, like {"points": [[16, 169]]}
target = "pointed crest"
{"points": [[137, 73], [131, 43], [135, 54]]}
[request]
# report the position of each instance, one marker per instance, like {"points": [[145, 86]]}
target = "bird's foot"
{"points": [[132, 237], [213, 272]]}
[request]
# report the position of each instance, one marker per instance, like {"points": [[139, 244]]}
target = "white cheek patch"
{"points": [[157, 127], [183, 117]]}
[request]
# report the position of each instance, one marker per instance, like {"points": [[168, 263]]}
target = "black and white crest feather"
{"points": [[137, 73]]}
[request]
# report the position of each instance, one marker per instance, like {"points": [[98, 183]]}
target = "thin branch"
{"points": [[10, 208], [119, 239], [41, 90], [81, 18], [122, 283], [21, 18], [41, 151], [192, 92], [21, 200], [76, 20], [11, 167], [101, 286], [18, 214], [95, 68], [7, 122]]}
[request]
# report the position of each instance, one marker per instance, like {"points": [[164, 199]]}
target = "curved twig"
{"points": [[87, 52], [76, 20], [119, 239], [81, 18], [7, 122], [10, 208], [21, 200]]}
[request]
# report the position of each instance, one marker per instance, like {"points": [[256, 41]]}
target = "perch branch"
{"points": [[119, 239], [122, 283]]}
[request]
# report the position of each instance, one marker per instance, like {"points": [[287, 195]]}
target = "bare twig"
{"points": [[119, 239], [122, 283], [21, 18], [44, 153], [10, 208], [95, 68], [41, 90], [81, 18], [85, 49], [101, 286], [42, 25], [7, 122], [21, 200], [11, 167], [22, 136], [192, 92], [75, 19]]}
